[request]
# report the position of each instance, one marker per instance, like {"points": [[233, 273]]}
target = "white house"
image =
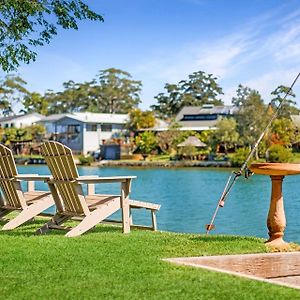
{"points": [[20, 121], [84, 132]]}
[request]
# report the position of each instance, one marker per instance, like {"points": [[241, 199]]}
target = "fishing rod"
{"points": [[236, 174]]}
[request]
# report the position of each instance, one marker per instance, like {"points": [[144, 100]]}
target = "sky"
{"points": [[251, 42]]}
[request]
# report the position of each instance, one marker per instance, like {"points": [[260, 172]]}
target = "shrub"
{"points": [[85, 160], [239, 157], [146, 142], [278, 153], [187, 151]]}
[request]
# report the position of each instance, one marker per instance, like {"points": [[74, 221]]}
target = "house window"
{"points": [[91, 127], [118, 126], [73, 128], [199, 117], [106, 127]]}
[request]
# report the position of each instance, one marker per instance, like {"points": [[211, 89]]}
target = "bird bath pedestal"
{"points": [[276, 221]]}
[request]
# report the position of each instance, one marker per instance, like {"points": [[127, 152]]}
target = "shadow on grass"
{"points": [[29, 228]]}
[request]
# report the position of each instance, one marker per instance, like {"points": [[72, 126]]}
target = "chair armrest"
{"points": [[97, 179], [32, 177]]}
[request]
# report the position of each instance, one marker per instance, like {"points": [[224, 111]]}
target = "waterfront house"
{"points": [[20, 121], [199, 118], [84, 132]]}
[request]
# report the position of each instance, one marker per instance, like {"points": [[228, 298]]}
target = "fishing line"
{"points": [[236, 174]]}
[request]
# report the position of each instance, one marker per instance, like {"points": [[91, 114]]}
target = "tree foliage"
{"points": [[251, 115], [282, 132], [33, 133], [169, 104], [166, 140], [75, 97], [12, 91], [200, 88], [226, 133], [27, 24], [288, 106], [139, 119], [279, 154], [242, 94], [146, 142], [114, 91], [35, 102]]}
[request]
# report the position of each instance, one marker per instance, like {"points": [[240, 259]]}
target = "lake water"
{"points": [[189, 196]]}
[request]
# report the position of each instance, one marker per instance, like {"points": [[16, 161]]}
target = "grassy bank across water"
{"points": [[161, 164], [106, 264]]}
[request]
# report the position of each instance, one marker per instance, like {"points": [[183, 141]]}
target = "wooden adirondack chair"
{"points": [[71, 203], [30, 203]]}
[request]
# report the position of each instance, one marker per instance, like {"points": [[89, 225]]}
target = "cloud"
{"points": [[266, 83], [261, 54]]}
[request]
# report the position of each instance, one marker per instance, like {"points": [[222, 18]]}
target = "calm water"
{"points": [[189, 197]]}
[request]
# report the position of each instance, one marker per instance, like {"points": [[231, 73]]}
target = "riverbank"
{"points": [[161, 164], [134, 163]]}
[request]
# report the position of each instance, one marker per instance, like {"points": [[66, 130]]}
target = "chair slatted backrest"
{"points": [[11, 189], [62, 166]]}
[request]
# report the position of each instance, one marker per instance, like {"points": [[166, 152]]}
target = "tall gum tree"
{"points": [[200, 88], [114, 91]]}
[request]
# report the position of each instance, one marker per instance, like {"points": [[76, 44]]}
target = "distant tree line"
{"points": [[112, 91]]}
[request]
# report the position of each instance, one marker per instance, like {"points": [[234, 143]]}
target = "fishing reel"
{"points": [[248, 173]]}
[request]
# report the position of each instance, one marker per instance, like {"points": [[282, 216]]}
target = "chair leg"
{"points": [[154, 224], [28, 213], [94, 218], [55, 221], [125, 207]]}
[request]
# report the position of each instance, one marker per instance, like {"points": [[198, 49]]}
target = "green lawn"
{"points": [[106, 264]]}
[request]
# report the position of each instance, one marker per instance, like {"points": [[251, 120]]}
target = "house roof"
{"points": [[53, 118], [15, 117], [187, 125], [198, 125], [206, 110], [160, 125], [88, 117], [296, 120], [192, 141]]}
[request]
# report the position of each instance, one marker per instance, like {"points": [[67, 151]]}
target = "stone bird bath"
{"points": [[276, 221]]}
